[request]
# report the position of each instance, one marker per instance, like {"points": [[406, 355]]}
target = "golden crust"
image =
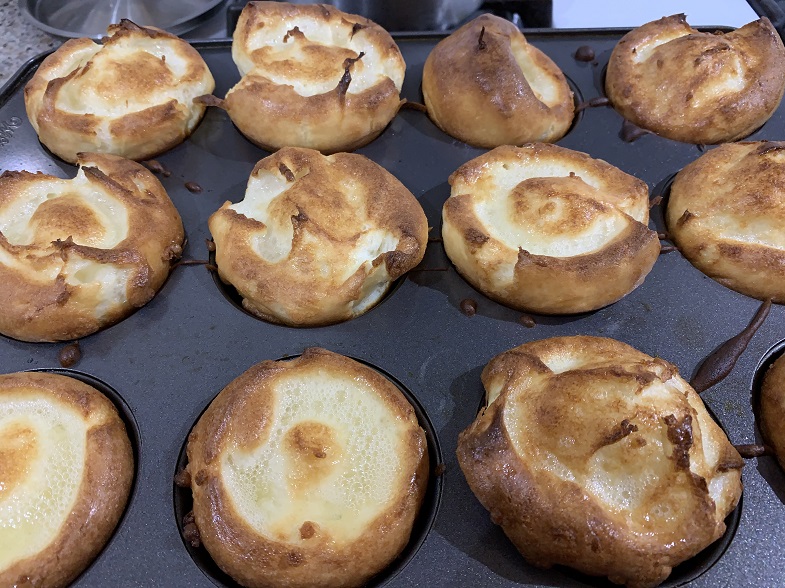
{"points": [[317, 239], [103, 491], [697, 87], [305, 83], [545, 229], [79, 255], [593, 455], [242, 421], [132, 96], [485, 85], [772, 408], [726, 213]]}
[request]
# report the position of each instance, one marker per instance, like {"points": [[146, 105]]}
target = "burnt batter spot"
{"points": [[356, 28], [201, 477], [593, 103], [667, 249], [157, 167], [183, 478], [343, 85], [753, 450], [307, 530], [291, 34], [209, 100], [680, 435], [409, 105], [630, 132], [720, 363], [619, 433], [468, 306], [286, 172], [191, 531], [70, 354], [770, 146], [480, 42], [193, 187], [584, 53], [527, 321]]}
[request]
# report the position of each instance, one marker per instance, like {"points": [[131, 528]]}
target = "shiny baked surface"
{"points": [[307, 472], [313, 76], [697, 87], [726, 213], [317, 239], [594, 455], [77, 255], [65, 473], [131, 96], [487, 86], [547, 229]]}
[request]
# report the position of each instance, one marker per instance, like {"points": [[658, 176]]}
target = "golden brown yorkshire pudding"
{"points": [[697, 87], [726, 213], [546, 229], [79, 255], [307, 472], [313, 76], [132, 96], [318, 239], [772, 408], [66, 469], [593, 455], [485, 85]]}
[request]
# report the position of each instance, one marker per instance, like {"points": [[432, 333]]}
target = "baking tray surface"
{"points": [[169, 359]]}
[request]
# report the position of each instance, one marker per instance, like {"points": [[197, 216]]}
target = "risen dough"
{"points": [[593, 455]]}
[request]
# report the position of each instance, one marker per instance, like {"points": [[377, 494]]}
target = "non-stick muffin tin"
{"points": [[169, 359]]}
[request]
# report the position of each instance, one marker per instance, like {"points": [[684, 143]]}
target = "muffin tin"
{"points": [[168, 360]]}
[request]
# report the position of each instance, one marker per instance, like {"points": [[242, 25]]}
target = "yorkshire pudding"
{"points": [[312, 76], [772, 408], [593, 455], [307, 472], [697, 87], [726, 213], [318, 239], [66, 468], [487, 86], [133, 96], [545, 229], [82, 254]]}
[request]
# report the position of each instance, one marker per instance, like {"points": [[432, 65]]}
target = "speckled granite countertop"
{"points": [[19, 40]]}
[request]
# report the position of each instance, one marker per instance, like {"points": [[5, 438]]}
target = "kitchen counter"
{"points": [[20, 40]]}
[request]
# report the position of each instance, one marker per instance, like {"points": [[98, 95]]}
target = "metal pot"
{"points": [[407, 15], [89, 18]]}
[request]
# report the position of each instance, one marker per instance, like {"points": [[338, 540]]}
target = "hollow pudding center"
{"points": [[330, 458]]}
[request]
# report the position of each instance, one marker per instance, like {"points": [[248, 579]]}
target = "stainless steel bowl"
{"points": [[89, 18], [407, 15]]}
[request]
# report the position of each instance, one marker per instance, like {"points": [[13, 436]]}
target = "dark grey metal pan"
{"points": [[170, 358]]}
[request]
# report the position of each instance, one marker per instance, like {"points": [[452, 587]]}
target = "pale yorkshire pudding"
{"points": [[697, 87], [66, 468], [593, 455], [312, 76], [78, 255], [487, 86], [318, 239], [772, 408], [133, 96], [546, 229], [307, 473], [726, 213]]}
